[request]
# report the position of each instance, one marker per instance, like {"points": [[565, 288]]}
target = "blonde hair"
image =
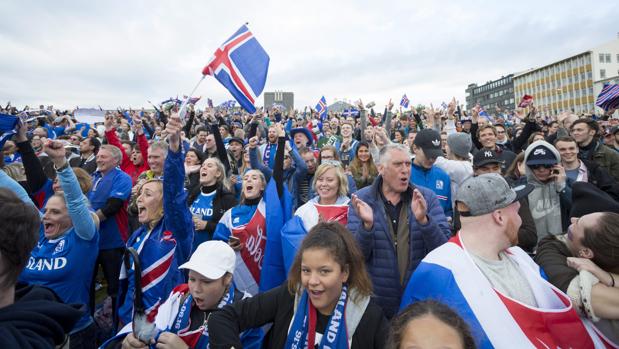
{"points": [[342, 188], [262, 179], [222, 179]]}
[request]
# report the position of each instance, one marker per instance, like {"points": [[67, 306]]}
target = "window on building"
{"points": [[608, 58], [589, 75], [601, 56], [602, 73], [617, 57]]}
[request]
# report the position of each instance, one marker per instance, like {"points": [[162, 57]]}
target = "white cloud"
{"points": [[124, 53]]}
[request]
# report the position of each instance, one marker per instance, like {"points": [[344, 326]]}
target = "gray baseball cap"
{"points": [[488, 192]]}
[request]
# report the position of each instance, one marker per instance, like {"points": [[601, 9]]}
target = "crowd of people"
{"points": [[282, 229]]}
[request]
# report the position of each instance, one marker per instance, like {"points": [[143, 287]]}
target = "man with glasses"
{"points": [[501, 136]]}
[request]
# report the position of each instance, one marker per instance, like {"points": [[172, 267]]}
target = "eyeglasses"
{"points": [[536, 167]]}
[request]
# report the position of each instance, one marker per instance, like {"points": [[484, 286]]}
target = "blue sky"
{"points": [[123, 53]]}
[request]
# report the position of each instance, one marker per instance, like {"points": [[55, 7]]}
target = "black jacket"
{"points": [[276, 306], [37, 319], [599, 177]]}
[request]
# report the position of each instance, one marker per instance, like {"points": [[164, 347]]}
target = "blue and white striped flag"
{"points": [[609, 97]]}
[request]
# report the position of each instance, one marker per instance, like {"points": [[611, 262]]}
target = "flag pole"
{"points": [[183, 110]]}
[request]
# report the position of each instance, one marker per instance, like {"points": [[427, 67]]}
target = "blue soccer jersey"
{"points": [[202, 207]]}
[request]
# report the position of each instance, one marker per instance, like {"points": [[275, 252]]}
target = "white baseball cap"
{"points": [[212, 259]]}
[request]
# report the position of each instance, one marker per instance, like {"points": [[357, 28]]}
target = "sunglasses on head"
{"points": [[535, 167]]}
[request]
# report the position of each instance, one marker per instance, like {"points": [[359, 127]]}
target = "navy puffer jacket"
{"points": [[379, 249]]}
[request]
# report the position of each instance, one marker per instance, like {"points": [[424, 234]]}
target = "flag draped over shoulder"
{"points": [[449, 275], [609, 97], [8, 127], [279, 211], [241, 65]]}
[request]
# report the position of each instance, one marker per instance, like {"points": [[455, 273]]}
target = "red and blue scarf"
{"points": [[303, 329]]}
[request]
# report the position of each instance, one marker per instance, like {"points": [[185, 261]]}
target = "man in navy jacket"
{"points": [[396, 224]]}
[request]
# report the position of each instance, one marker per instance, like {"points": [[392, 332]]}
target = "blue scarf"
{"points": [[198, 338], [304, 325]]}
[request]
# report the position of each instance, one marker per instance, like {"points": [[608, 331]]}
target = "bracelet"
{"points": [[61, 168], [612, 278]]}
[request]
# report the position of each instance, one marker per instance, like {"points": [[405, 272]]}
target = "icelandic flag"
{"points": [[172, 100], [241, 65], [227, 104], [192, 100], [449, 275], [279, 212], [483, 113], [8, 127], [278, 106], [350, 112], [321, 108], [404, 102], [305, 218], [609, 97]]}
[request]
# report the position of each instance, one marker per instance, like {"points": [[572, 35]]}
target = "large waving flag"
{"points": [[321, 108], [609, 97], [404, 102], [274, 272], [241, 65]]}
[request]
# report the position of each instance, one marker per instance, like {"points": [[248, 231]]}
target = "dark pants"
{"points": [[110, 261]]}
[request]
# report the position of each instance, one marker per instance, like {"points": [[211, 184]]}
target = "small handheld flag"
{"points": [[404, 102], [241, 65], [525, 101], [609, 97], [321, 108]]}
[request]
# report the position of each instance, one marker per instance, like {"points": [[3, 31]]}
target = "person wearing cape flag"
{"points": [[325, 302], [163, 241], [493, 284], [331, 204], [181, 319], [253, 227]]}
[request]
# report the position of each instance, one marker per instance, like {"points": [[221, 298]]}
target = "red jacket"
{"points": [[126, 165]]}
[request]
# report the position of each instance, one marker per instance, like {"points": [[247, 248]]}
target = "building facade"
{"points": [[571, 84], [281, 98], [497, 93]]}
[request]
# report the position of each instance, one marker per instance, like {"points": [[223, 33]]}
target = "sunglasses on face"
{"points": [[535, 167]]}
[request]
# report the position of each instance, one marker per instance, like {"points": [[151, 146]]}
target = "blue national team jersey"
{"points": [[436, 180], [116, 184], [202, 207], [65, 265]]}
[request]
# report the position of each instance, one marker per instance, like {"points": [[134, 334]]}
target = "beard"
{"points": [[512, 232]]}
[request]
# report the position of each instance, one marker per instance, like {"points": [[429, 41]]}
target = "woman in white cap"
{"points": [[181, 319]]}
